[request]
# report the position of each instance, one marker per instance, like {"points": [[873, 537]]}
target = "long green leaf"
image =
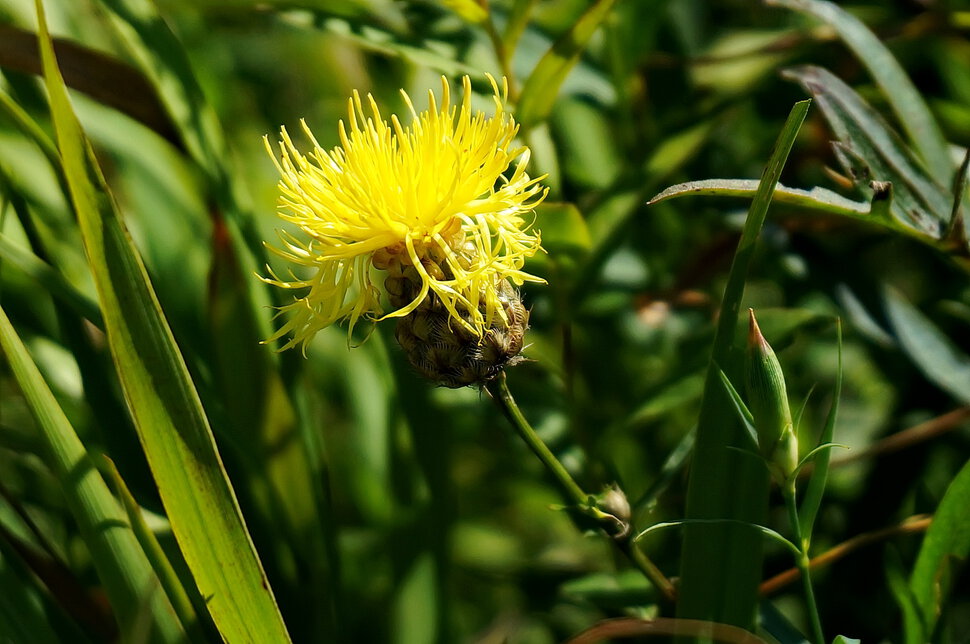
{"points": [[721, 564], [542, 87], [911, 110], [816, 485], [122, 566], [945, 547], [935, 354], [873, 151], [167, 576], [172, 426]]}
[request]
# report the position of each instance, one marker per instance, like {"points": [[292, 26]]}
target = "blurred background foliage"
{"points": [[384, 509]]}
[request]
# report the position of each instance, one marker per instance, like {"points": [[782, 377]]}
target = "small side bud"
{"points": [[768, 402], [613, 511]]}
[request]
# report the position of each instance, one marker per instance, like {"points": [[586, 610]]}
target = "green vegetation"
{"points": [[661, 464]]}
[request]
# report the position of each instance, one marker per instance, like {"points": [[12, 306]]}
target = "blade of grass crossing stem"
{"points": [[945, 548], [905, 99], [542, 87], [721, 564], [168, 415], [816, 484], [122, 566], [153, 550]]}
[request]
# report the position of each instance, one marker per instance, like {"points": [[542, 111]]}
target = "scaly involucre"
{"points": [[433, 195]]}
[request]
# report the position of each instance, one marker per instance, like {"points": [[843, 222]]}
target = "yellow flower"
{"points": [[432, 195]]}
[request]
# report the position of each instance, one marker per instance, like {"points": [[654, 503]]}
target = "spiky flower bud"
{"points": [[443, 351], [768, 402]]}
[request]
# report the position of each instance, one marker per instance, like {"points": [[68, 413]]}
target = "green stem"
{"points": [[802, 561], [499, 391]]}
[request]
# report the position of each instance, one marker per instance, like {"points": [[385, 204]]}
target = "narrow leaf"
{"points": [[153, 550], [742, 411], [911, 110], [168, 415], [935, 354], [814, 199], [721, 565], [542, 87], [767, 532], [876, 153], [816, 485], [124, 571]]}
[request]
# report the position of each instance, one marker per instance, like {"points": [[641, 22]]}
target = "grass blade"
{"points": [[172, 426], [153, 550], [911, 110], [542, 87], [721, 564], [121, 565], [816, 484]]}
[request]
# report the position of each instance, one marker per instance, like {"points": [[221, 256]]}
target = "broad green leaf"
{"points": [[122, 566], [945, 548], [542, 87], [935, 354], [721, 565], [871, 151], [168, 415], [911, 110]]}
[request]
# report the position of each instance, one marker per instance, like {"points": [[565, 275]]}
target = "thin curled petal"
{"points": [[435, 188]]}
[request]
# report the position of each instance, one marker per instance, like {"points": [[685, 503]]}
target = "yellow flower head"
{"points": [[432, 195]]}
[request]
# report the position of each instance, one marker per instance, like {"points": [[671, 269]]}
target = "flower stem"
{"points": [[499, 391], [802, 562]]}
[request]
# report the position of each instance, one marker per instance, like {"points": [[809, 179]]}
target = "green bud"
{"points": [[768, 402]]}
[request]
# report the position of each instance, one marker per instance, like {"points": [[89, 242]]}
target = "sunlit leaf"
{"points": [[542, 87], [172, 426]]}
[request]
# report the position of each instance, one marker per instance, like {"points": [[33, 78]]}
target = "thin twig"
{"points": [[916, 523], [901, 440]]}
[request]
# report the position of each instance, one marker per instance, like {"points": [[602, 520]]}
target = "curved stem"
{"points": [[802, 561], [499, 391]]}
